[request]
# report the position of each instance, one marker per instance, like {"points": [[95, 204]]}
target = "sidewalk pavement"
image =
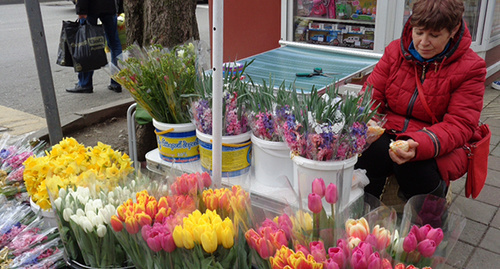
{"points": [[479, 244]]}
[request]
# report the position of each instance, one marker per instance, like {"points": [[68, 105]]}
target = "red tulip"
{"points": [[116, 223], [436, 235], [318, 187], [331, 194], [410, 243], [314, 203], [318, 251], [427, 247]]}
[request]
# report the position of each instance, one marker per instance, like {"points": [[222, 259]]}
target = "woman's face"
{"points": [[430, 43]]}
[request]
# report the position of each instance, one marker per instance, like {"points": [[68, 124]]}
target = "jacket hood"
{"points": [[459, 45]]}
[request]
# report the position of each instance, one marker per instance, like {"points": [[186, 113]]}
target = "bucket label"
{"points": [[235, 160], [178, 147]]}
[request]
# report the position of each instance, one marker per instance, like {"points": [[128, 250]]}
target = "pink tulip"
{"points": [[264, 248], [436, 235], [285, 223], [207, 181], [337, 255], [422, 232], [318, 187], [410, 243], [318, 251], [314, 203], [168, 243], [279, 239], [330, 264], [367, 249], [358, 259], [374, 261], [383, 237], [344, 246], [331, 195], [427, 247], [301, 248]]}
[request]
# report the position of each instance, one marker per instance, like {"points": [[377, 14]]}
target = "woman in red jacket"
{"points": [[436, 120]]}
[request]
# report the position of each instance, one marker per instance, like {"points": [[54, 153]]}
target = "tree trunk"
{"points": [[164, 22]]}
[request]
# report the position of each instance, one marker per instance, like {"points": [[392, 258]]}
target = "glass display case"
{"points": [[342, 23]]}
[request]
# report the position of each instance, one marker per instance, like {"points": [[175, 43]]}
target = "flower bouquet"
{"points": [[191, 226], [160, 79], [429, 230]]}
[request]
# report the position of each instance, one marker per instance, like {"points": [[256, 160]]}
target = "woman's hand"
{"points": [[401, 156]]}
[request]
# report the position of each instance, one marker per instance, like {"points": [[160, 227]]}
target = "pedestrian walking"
{"points": [[106, 11]]}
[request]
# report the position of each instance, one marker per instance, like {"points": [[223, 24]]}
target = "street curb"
{"points": [[89, 117]]}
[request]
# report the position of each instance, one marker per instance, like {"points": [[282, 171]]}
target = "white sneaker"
{"points": [[496, 85]]}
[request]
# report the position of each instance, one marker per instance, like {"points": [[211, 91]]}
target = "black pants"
{"points": [[419, 177]]}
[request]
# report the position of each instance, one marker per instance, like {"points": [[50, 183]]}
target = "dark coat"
{"points": [[454, 87], [99, 7]]}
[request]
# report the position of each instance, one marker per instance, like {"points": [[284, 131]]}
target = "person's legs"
{"points": [[111, 30], [85, 78], [420, 177], [377, 163]]}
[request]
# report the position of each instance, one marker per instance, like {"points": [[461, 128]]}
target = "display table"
{"points": [[263, 196]]}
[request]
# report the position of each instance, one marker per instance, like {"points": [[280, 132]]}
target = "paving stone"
{"points": [[496, 220], [458, 186], [491, 240], [494, 163], [473, 232], [475, 210], [493, 122], [459, 255], [489, 195], [493, 178], [495, 139], [482, 259], [494, 150]]}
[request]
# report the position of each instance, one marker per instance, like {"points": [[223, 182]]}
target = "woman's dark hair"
{"points": [[437, 14]]}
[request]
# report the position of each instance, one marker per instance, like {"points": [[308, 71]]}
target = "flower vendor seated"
{"points": [[432, 123]]}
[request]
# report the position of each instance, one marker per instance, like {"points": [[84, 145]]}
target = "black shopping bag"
{"points": [[64, 53], [87, 47]]}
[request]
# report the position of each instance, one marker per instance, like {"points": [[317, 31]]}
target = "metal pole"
{"points": [[217, 56], [44, 71]]}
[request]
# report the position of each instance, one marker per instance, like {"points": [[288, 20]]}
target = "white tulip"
{"points": [[62, 192], [86, 224], [111, 201], [97, 220], [76, 219], [83, 199], [67, 212], [90, 207], [58, 202], [90, 214], [80, 212], [97, 203], [111, 195], [101, 230]]}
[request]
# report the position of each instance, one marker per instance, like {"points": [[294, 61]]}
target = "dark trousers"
{"points": [[418, 177], [110, 26]]}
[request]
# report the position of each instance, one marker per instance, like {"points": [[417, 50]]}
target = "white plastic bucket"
{"points": [[49, 216], [271, 162], [177, 142], [305, 171], [236, 153]]}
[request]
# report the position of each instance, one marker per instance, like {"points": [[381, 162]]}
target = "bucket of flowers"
{"points": [[236, 144], [160, 81], [269, 150], [325, 134]]}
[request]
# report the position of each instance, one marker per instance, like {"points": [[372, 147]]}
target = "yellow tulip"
{"points": [[357, 228], [177, 235], [198, 230], [187, 239], [227, 237], [209, 241]]}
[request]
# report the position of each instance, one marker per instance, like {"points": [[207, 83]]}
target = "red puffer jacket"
{"points": [[454, 87]]}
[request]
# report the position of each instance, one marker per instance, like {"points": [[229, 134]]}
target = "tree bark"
{"points": [[164, 22]]}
